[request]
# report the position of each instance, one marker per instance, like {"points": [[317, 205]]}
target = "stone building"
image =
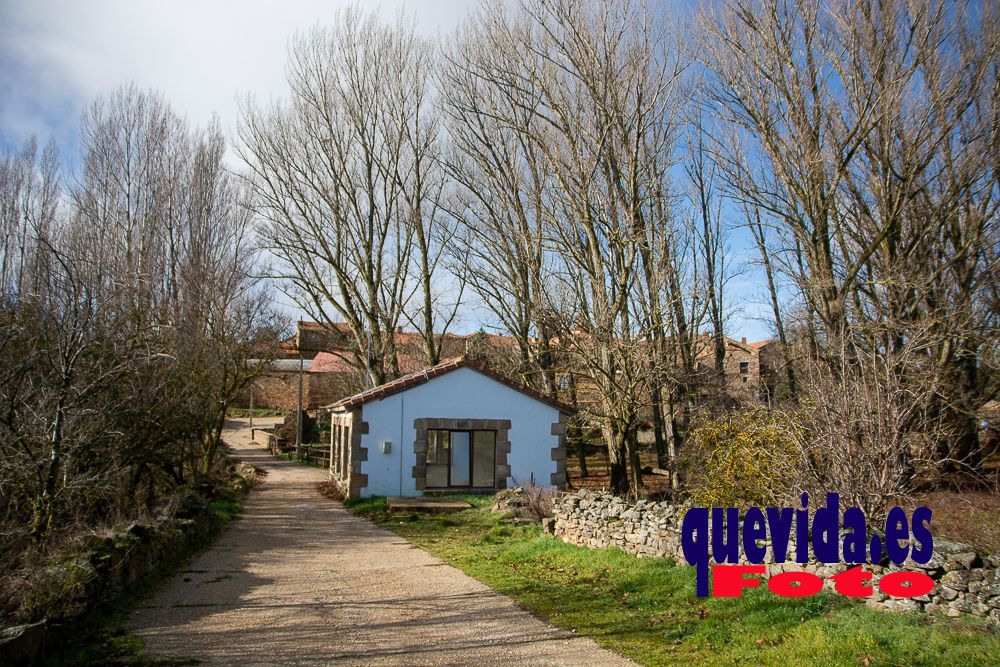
{"points": [[278, 387], [330, 370], [741, 364]]}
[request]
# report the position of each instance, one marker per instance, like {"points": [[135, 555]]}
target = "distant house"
{"points": [[454, 426], [741, 364], [331, 370], [277, 388], [772, 364]]}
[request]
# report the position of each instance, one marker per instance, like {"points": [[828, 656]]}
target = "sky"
{"points": [[56, 56]]}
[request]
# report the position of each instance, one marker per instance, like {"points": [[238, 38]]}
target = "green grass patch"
{"points": [[243, 413], [646, 608], [226, 509]]}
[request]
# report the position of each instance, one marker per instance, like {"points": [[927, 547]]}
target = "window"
{"points": [[438, 455], [744, 368], [335, 448], [461, 459], [484, 448], [340, 445]]}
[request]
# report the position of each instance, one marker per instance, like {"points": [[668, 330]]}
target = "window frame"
{"points": [[472, 458]]}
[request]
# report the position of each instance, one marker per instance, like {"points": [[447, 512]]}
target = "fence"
{"points": [[317, 454]]}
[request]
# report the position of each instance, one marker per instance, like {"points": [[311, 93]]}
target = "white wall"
{"points": [[461, 394]]}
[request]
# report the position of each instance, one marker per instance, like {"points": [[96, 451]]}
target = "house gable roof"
{"points": [[427, 374]]}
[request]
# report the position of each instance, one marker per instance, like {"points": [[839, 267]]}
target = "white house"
{"points": [[454, 426]]}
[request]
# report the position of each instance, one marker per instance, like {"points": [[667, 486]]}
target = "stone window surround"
{"points": [[501, 426], [559, 478]]}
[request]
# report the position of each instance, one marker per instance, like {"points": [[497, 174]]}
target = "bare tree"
{"points": [[29, 188], [711, 237], [868, 434], [129, 311], [500, 200], [348, 183], [861, 135], [759, 233], [587, 92]]}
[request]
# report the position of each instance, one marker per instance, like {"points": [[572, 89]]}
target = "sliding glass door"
{"points": [[461, 459]]}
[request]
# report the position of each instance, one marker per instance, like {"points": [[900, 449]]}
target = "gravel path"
{"points": [[299, 580]]}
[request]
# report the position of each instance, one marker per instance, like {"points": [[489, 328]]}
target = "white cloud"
{"points": [[56, 55]]}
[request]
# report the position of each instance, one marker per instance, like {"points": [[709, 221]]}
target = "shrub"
{"points": [[743, 458], [55, 590], [535, 502], [869, 433]]}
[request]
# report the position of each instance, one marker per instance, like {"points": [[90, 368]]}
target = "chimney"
{"points": [[743, 340]]}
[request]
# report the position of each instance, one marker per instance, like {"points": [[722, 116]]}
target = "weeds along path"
{"points": [[297, 579]]}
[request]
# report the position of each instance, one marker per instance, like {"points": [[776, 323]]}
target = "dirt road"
{"points": [[298, 580]]}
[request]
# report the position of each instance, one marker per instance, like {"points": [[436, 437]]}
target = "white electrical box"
{"points": [[386, 446]]}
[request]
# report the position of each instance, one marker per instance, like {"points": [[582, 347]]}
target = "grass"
{"points": [[646, 608], [226, 508]]}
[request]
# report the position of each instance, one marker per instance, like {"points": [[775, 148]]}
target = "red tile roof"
{"points": [[330, 362], [327, 362], [322, 326], [427, 374]]}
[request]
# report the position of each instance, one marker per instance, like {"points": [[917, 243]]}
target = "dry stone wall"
{"points": [[965, 583]]}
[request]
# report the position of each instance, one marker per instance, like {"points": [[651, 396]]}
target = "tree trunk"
{"points": [[214, 439], [678, 425], [43, 507], [662, 458], [758, 232], [965, 447], [636, 487], [618, 455]]}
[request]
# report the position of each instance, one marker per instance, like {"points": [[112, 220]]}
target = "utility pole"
{"points": [[298, 413]]}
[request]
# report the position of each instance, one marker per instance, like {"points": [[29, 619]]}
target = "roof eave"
{"points": [[423, 377]]}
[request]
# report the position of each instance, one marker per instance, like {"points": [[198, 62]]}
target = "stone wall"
{"points": [[276, 390], [109, 567], [964, 582], [279, 390]]}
